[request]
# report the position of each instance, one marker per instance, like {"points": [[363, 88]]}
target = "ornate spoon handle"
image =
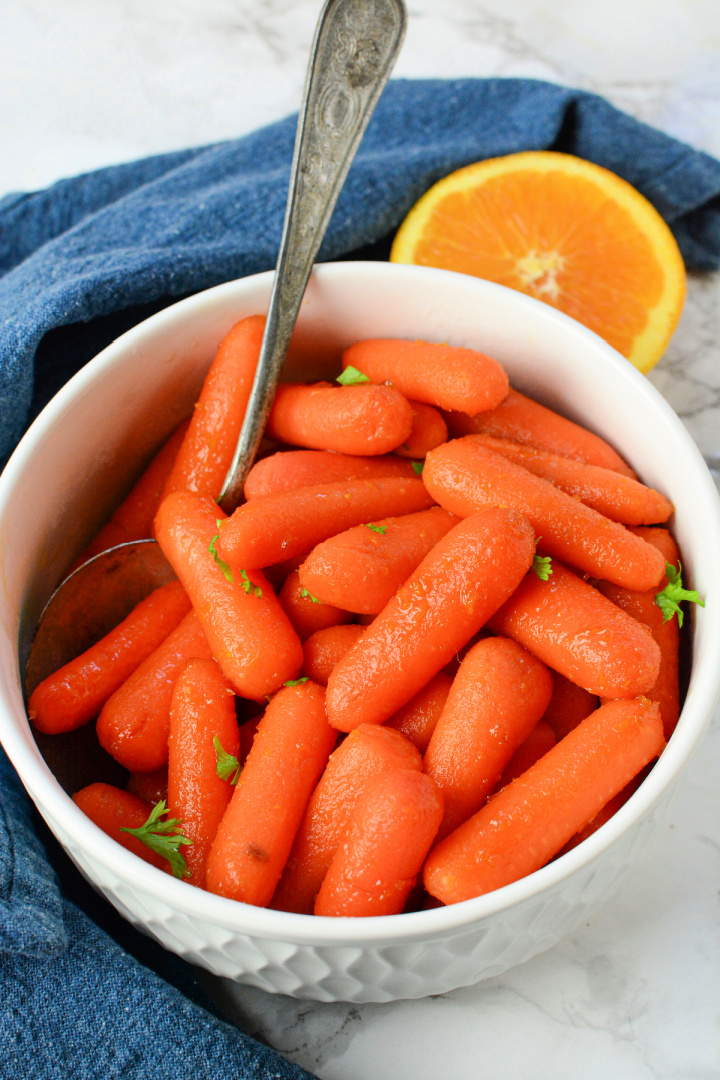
{"points": [[356, 44]]}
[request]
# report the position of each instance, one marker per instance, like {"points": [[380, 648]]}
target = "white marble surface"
{"points": [[635, 994]]}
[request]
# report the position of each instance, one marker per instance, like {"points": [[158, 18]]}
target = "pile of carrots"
{"points": [[423, 657]]}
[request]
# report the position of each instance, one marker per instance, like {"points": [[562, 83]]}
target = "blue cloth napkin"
{"points": [[180, 222], [81, 993]]}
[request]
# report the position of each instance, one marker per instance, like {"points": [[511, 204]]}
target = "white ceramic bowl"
{"points": [[64, 478]]}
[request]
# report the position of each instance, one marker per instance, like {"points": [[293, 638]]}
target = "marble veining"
{"points": [[635, 993]]}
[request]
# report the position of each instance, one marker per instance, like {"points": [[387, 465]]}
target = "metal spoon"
{"points": [[355, 47]]}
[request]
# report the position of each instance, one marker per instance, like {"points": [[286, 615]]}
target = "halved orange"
{"points": [[564, 231]]}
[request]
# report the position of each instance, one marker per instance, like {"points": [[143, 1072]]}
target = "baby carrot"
{"points": [[362, 568], [527, 822], [496, 699], [569, 705], [437, 374], [266, 531], [133, 724], [539, 741], [133, 519], [76, 693], [324, 650], [292, 469], [307, 612], [112, 810], [523, 420], [361, 419], [575, 630], [150, 787], [249, 633], [642, 606], [464, 476], [458, 585], [609, 810], [202, 727], [610, 493], [291, 747], [207, 449], [367, 751], [428, 431], [388, 836], [418, 718]]}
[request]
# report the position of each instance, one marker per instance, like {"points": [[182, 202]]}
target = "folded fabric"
{"points": [[89, 256], [75, 1004], [180, 222]]}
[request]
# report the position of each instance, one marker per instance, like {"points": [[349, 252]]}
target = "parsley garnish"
{"points": [[668, 599], [164, 838], [225, 567], [351, 377], [228, 767], [309, 596], [542, 565], [247, 586], [418, 466], [297, 682], [377, 528]]}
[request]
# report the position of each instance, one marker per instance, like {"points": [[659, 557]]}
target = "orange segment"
{"points": [[560, 229]]}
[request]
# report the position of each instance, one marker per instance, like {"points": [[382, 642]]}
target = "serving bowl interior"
{"points": [[90, 443]]}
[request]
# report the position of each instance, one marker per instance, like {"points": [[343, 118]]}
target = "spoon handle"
{"points": [[356, 43]]}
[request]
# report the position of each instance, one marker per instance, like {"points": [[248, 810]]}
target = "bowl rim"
{"points": [[703, 691]]}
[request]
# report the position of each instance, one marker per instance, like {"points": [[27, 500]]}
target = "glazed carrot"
{"points": [[569, 705], [266, 531], [428, 431], [76, 693], [134, 723], [207, 449], [150, 787], [536, 745], [575, 630], [112, 809], [305, 611], [464, 476], [294, 469], [437, 374], [203, 710], [388, 836], [523, 420], [133, 519], [495, 701], [453, 592], [324, 650], [417, 720], [362, 568], [642, 606], [609, 810], [249, 633], [610, 493], [527, 822], [367, 751], [363, 419], [291, 747]]}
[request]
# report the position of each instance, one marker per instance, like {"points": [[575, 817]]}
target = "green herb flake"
{"points": [[297, 682], [309, 596], [417, 467], [351, 377], [225, 567], [377, 528], [542, 566], [247, 586], [228, 767], [164, 838], [669, 598]]}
